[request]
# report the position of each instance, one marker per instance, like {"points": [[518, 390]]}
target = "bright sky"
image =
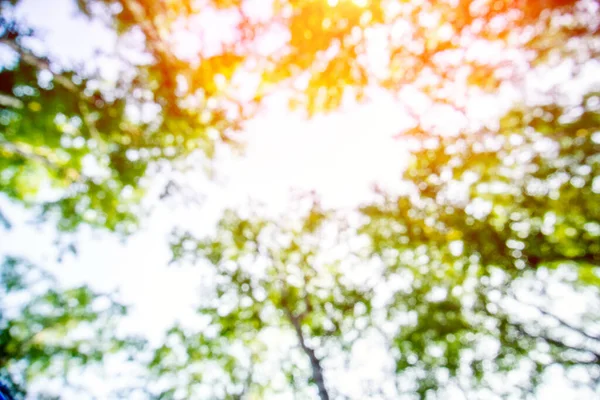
{"points": [[339, 155]]}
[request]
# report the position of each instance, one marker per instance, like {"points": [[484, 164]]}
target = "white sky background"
{"points": [[338, 155]]}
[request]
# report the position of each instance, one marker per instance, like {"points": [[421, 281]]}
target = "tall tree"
{"points": [[459, 279], [274, 281]]}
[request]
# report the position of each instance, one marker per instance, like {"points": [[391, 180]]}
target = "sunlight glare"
{"points": [[339, 155], [361, 3]]}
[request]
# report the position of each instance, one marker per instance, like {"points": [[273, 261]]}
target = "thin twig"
{"points": [[5, 221], [561, 321]]}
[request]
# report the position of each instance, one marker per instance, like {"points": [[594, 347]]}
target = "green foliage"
{"points": [[449, 278], [270, 281], [50, 333], [508, 206], [70, 142], [457, 276]]}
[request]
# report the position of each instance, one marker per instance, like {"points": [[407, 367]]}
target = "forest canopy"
{"points": [[477, 276]]}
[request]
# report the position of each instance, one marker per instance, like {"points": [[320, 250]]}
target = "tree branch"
{"points": [[155, 41], [555, 342], [591, 259], [30, 154], [5, 221], [561, 321], [10, 101], [41, 64], [564, 323], [315, 363], [16, 149]]}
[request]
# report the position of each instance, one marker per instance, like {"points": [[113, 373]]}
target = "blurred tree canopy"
{"points": [[446, 50], [78, 145], [460, 278], [46, 332], [456, 283]]}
